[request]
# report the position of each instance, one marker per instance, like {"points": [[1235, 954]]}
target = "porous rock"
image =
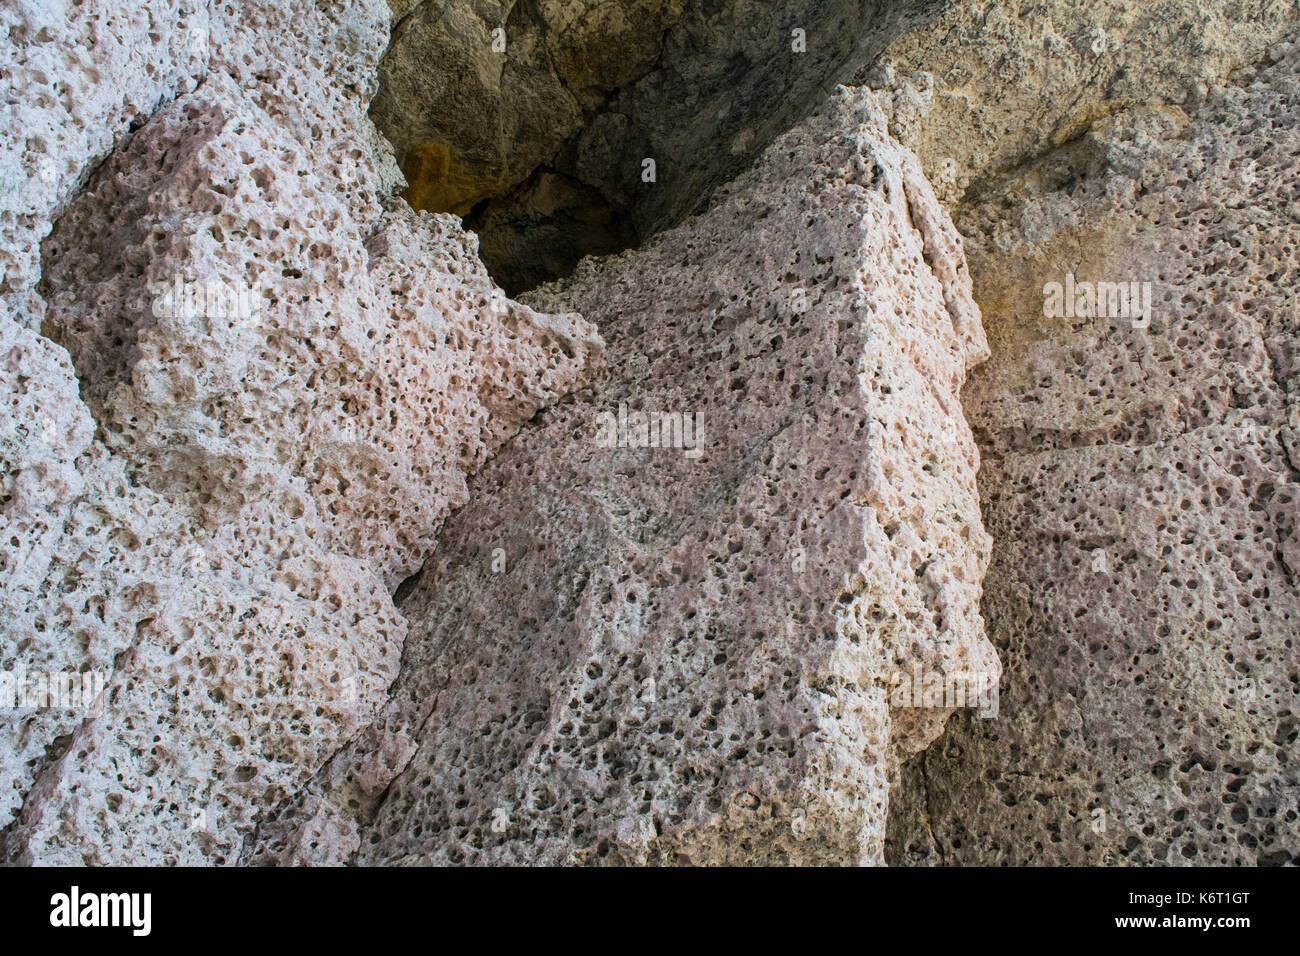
{"points": [[78, 77], [1004, 82], [1140, 483], [634, 654], [211, 506]]}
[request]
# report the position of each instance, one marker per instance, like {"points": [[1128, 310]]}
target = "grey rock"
{"points": [[543, 143]]}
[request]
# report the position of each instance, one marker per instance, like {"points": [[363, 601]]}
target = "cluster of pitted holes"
{"points": [[588, 738], [638, 768], [242, 773], [1210, 272], [1212, 496]]}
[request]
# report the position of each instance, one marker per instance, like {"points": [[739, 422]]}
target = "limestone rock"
{"points": [[255, 389], [247, 391], [1009, 80], [658, 654], [1140, 483], [79, 75], [364, 332]]}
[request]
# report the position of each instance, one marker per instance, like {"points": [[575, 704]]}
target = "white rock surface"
{"points": [[211, 509]]}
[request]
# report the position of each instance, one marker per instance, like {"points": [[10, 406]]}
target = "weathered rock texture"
{"points": [[636, 655], [77, 80], [642, 654], [537, 116], [1002, 82], [213, 508], [1141, 487]]}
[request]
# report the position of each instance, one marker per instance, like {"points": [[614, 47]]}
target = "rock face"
{"points": [[713, 591], [1005, 81], [239, 401], [78, 80], [683, 651], [539, 116], [1141, 486]]}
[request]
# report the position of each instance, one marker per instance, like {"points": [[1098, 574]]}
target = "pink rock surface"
{"points": [[629, 654]]}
